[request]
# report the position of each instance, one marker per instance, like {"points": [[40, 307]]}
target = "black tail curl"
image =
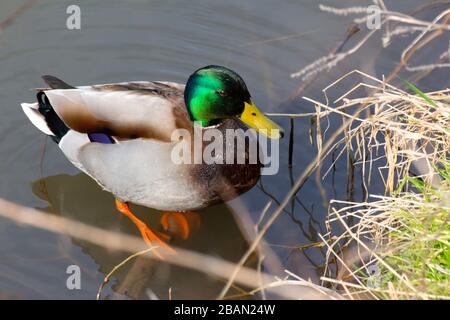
{"points": [[54, 122]]}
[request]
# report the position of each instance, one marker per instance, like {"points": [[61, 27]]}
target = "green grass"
{"points": [[419, 243], [420, 93]]}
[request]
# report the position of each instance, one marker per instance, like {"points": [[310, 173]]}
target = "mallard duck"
{"points": [[120, 134]]}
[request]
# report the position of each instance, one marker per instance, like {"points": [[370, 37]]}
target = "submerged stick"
{"points": [[185, 258], [291, 142], [16, 13], [117, 267]]}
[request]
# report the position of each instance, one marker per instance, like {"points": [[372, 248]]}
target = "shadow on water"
{"points": [[79, 198]]}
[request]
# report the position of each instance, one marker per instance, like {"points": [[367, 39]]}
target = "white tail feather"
{"points": [[31, 110]]}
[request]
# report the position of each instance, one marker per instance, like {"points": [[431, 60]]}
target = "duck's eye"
{"points": [[222, 93]]}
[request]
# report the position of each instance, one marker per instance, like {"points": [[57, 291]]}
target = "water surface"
{"points": [[263, 40]]}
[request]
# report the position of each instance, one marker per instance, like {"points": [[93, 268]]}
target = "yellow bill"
{"points": [[258, 121]]}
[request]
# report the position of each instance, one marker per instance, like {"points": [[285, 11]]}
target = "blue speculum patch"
{"points": [[100, 138]]}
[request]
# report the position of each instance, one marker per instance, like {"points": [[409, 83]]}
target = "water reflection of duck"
{"points": [[79, 197], [121, 135]]}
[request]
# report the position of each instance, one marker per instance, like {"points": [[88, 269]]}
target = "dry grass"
{"points": [[406, 127], [394, 246], [393, 25], [398, 245]]}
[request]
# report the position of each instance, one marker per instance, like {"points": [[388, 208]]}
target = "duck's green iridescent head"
{"points": [[216, 93]]}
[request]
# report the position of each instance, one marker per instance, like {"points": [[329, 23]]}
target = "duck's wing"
{"points": [[127, 110]]}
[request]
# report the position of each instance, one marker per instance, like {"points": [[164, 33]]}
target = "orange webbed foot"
{"points": [[180, 224], [150, 237]]}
